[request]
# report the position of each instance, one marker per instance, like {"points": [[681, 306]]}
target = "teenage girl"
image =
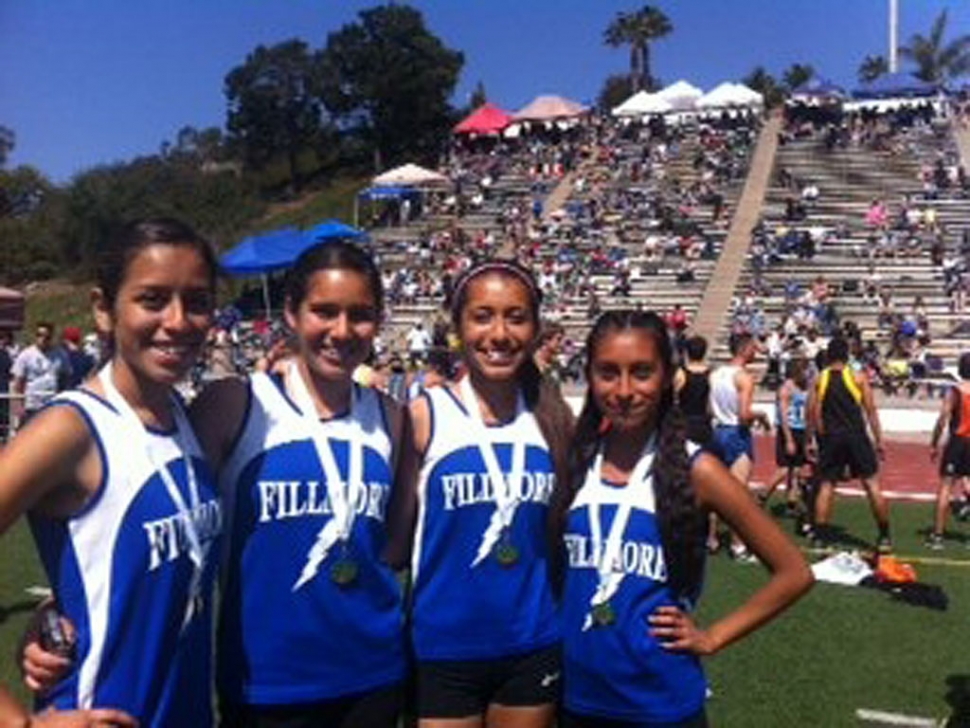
{"points": [[311, 626], [632, 522], [790, 455], [485, 627], [311, 622], [122, 505]]}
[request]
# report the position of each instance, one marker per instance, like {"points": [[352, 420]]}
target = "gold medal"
{"points": [[603, 614], [344, 572], [506, 553]]}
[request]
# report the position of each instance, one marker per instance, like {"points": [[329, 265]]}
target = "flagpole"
{"points": [[893, 35]]}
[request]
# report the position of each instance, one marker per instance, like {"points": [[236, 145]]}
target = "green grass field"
{"points": [[838, 650]]}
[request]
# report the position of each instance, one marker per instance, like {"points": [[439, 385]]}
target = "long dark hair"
{"points": [[544, 400], [681, 520]]}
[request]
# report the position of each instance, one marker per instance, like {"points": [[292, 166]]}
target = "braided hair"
{"points": [[682, 522]]}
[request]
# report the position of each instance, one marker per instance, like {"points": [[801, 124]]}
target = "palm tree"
{"points": [[936, 62], [871, 68], [796, 75], [637, 30], [765, 84]]}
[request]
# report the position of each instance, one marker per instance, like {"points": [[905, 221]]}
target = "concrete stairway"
{"points": [[715, 303]]}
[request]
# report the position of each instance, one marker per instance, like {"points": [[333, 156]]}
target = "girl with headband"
{"points": [[631, 518], [485, 627], [122, 505]]}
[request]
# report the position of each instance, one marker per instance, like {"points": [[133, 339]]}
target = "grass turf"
{"points": [[839, 649]]}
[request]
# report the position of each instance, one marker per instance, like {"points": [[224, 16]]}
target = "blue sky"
{"points": [[84, 82]]}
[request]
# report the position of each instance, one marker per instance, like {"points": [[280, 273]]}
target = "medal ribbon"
{"points": [[183, 433], [503, 488], [343, 495], [610, 573]]}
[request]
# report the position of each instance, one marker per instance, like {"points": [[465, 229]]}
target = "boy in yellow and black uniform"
{"points": [[840, 407]]}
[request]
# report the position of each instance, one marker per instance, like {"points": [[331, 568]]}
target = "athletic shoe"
{"points": [[884, 545], [741, 554], [934, 542]]}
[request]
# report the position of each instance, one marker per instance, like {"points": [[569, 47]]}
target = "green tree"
{"points": [[616, 89], [796, 75], [871, 68], [387, 79], [638, 30], [478, 97], [274, 106], [935, 60], [764, 83]]}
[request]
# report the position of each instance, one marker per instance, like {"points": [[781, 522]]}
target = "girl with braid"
{"points": [[631, 518]]}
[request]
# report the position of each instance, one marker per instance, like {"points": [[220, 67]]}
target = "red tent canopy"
{"points": [[486, 119]]}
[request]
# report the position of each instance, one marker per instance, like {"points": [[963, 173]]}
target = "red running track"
{"points": [[905, 474]]}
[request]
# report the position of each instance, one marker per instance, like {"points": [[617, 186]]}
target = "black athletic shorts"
{"points": [[782, 458], [464, 688], [840, 452], [955, 462], [574, 720], [380, 708]]}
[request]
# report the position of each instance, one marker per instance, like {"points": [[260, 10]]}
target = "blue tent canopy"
{"points": [[330, 229], [268, 252], [896, 85], [387, 193]]}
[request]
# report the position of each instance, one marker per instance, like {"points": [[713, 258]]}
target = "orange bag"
{"points": [[892, 570]]}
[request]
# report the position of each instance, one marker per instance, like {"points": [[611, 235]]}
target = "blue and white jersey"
{"points": [[463, 611], [122, 572], [619, 671], [797, 405], [287, 632]]}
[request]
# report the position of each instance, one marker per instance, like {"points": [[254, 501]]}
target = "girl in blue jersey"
{"points": [[122, 505], [632, 523], [485, 628], [311, 624]]}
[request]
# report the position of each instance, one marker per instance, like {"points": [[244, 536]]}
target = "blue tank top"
{"points": [[618, 671], [288, 633], [489, 610], [122, 573], [797, 404]]}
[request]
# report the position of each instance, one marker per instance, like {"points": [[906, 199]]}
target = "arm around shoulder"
{"points": [[415, 434], [218, 415]]}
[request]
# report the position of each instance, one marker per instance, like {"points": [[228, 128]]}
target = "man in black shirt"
{"points": [[840, 407]]}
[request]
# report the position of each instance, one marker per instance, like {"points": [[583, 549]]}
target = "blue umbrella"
{"points": [[331, 229], [263, 253]]}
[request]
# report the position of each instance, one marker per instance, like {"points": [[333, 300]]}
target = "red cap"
{"points": [[72, 334]]}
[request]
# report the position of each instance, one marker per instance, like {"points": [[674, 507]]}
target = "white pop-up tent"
{"points": [[681, 95], [729, 95], [411, 175], [642, 104]]}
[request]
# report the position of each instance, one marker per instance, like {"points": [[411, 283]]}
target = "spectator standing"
{"points": [[39, 372], [418, 342], [81, 362]]}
